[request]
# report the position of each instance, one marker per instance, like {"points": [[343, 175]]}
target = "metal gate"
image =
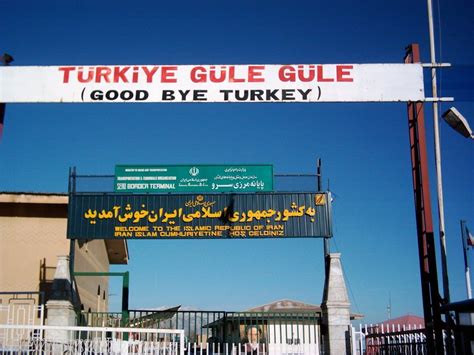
{"points": [[22, 308], [228, 333]]}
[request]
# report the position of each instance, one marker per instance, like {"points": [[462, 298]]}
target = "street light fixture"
{"points": [[457, 121]]}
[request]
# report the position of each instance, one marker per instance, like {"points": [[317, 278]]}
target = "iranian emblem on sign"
{"points": [[194, 171]]}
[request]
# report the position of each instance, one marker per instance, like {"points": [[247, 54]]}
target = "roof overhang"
{"points": [[25, 204], [117, 251], [33, 197]]}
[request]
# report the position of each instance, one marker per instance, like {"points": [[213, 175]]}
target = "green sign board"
{"points": [[193, 178], [203, 216]]}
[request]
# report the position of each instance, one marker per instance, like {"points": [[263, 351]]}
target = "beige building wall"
{"points": [[27, 246], [28, 251], [32, 236], [92, 256]]}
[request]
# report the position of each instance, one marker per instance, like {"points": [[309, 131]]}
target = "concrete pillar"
{"points": [[60, 307], [336, 309]]}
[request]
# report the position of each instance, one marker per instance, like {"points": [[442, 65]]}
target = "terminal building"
{"points": [[33, 235]]}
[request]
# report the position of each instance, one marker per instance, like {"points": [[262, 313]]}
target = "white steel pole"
{"points": [[464, 236], [468, 283], [439, 178]]}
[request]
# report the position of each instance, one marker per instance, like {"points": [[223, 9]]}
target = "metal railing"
{"points": [[226, 332], [381, 339], [398, 342], [22, 308]]}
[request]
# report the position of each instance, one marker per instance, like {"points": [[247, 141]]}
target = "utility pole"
{"points": [[439, 181], [439, 177]]}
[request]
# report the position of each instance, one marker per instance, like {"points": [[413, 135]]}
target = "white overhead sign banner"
{"points": [[213, 83]]}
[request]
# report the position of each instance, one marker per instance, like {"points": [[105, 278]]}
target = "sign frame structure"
{"points": [[394, 82], [197, 178], [199, 216]]}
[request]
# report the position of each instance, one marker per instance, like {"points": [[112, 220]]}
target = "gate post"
{"points": [[336, 308], [60, 307]]}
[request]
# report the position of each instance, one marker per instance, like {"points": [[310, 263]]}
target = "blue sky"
{"points": [[364, 147]]}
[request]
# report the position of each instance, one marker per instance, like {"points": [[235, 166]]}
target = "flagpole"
{"points": [[464, 236]]}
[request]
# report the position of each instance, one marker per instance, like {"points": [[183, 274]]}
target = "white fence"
{"points": [[246, 348], [21, 313], [89, 340], [17, 339], [388, 339]]}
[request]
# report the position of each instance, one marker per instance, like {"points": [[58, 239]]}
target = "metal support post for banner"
{"points": [[318, 174], [72, 242], [325, 240], [2, 118], [424, 222], [6, 59], [72, 256], [320, 189], [125, 293]]}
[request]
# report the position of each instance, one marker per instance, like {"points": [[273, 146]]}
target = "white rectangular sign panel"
{"points": [[214, 83]]}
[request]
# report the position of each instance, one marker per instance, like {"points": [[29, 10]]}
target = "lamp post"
{"points": [[439, 178]]}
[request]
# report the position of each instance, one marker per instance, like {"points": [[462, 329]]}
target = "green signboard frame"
{"points": [[193, 178]]}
